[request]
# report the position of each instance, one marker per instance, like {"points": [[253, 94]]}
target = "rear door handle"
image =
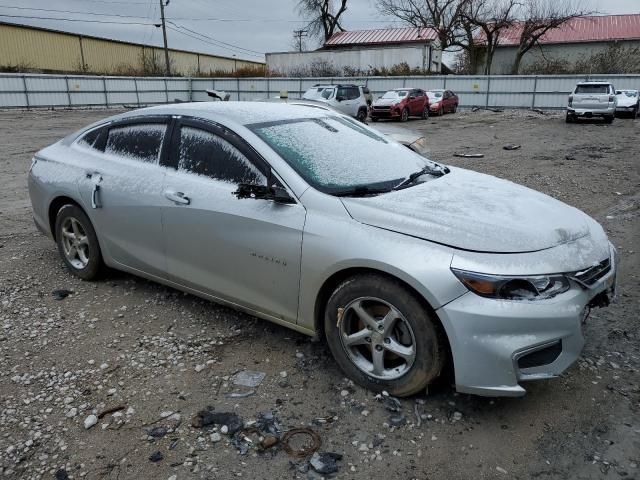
{"points": [[177, 197], [95, 178]]}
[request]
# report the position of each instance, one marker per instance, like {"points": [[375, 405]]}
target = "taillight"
{"points": [[611, 98]]}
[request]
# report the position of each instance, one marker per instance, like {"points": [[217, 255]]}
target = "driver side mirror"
{"points": [[618, 92], [262, 192], [339, 98], [412, 97]]}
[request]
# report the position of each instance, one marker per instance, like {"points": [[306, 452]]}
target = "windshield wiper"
{"points": [[360, 191], [435, 170]]}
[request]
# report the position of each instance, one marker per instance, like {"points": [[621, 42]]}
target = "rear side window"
{"points": [[90, 139], [593, 89], [204, 153], [142, 142]]}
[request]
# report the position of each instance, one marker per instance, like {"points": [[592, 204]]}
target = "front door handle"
{"points": [[177, 197]]}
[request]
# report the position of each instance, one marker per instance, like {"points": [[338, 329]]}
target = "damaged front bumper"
{"points": [[497, 344]]}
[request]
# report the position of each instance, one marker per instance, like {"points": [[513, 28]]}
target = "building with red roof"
{"points": [[576, 40]]}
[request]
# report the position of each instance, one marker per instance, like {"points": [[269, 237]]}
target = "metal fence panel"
{"points": [[35, 90]]}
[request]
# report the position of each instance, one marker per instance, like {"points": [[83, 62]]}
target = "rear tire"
{"points": [[78, 243], [609, 119], [362, 115], [404, 116], [569, 118], [366, 355]]}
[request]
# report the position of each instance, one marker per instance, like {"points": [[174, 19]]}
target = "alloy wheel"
{"points": [[377, 338], [75, 243]]}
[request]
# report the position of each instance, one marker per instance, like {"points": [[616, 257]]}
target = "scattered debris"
{"points": [[215, 437], [248, 378], [307, 448], [240, 394], [61, 294], [111, 410], [501, 470], [207, 417], [90, 421], [417, 414], [62, 474], [267, 423], [469, 155], [511, 146], [156, 456], [157, 432], [537, 110], [392, 404], [269, 441], [397, 420], [325, 463]]}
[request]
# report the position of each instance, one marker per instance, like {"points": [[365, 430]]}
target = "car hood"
{"points": [[476, 212], [385, 102]]}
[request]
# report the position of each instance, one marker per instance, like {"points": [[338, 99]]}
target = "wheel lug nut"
{"points": [[378, 347], [368, 339], [387, 340]]}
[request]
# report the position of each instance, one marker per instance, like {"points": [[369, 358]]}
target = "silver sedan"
{"points": [[311, 220]]}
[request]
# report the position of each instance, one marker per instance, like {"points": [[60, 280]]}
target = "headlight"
{"points": [[538, 287]]}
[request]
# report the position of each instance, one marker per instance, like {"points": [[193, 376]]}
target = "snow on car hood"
{"points": [[385, 102], [473, 211]]}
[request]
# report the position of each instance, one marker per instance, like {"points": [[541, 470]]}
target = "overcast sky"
{"points": [[247, 28]]}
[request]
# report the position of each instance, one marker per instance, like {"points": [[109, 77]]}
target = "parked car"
{"points": [[443, 101], [628, 102], [348, 99], [315, 92], [313, 221], [401, 103], [592, 99]]}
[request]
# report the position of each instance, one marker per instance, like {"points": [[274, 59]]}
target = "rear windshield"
{"points": [[604, 88]]}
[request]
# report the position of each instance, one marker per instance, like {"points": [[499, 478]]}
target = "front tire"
{"points": [[362, 115], [404, 116], [382, 336], [78, 243], [609, 119]]}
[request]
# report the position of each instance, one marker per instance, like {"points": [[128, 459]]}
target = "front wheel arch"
{"points": [[331, 283]]}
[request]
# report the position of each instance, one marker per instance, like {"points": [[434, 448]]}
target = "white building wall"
{"points": [[363, 59]]}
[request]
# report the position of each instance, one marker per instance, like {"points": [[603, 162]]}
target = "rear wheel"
{"points": [[362, 115], [569, 118], [609, 119], [404, 116], [382, 336], [425, 113], [77, 242]]}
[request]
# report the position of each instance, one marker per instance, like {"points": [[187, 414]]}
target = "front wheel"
{"points": [[404, 116], [455, 108], [77, 242], [382, 336], [609, 119]]}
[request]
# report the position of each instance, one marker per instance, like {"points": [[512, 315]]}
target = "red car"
{"points": [[442, 101], [401, 103]]}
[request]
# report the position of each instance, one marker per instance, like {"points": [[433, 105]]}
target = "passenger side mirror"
{"points": [[618, 92], [262, 192], [339, 98], [412, 97]]}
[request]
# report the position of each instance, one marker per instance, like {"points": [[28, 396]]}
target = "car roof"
{"points": [[594, 82], [243, 113], [436, 90]]}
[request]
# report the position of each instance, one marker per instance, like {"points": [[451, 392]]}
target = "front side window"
{"points": [[204, 153], [327, 93], [334, 154], [353, 93], [142, 142]]}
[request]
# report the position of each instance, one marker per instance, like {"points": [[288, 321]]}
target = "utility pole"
{"points": [[164, 35], [299, 34]]}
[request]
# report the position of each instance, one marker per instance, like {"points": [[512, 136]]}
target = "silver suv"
{"points": [[353, 100], [592, 99]]}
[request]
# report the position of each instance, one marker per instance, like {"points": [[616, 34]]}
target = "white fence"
{"points": [[500, 91]]}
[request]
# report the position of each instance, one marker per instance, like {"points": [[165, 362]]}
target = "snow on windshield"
{"points": [[434, 94], [332, 153], [395, 94]]}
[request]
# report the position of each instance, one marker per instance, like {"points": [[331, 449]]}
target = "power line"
{"points": [[299, 34], [73, 20], [214, 39], [211, 43], [72, 11]]}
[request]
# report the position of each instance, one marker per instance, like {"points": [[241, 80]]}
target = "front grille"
{"points": [[591, 275], [381, 108], [541, 357]]}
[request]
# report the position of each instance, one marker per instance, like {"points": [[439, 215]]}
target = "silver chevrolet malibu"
{"points": [[311, 220]]}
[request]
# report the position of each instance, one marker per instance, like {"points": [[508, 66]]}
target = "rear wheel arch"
{"points": [[54, 208]]}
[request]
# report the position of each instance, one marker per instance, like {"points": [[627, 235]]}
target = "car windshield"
{"points": [[434, 94], [334, 154], [391, 94], [630, 93], [593, 89], [327, 93]]}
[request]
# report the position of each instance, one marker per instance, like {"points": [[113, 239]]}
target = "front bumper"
{"points": [[631, 108], [391, 113], [496, 344]]}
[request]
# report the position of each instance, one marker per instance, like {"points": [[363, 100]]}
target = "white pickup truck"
{"points": [[592, 99]]}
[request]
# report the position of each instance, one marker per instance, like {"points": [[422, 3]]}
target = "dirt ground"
{"points": [[163, 356]]}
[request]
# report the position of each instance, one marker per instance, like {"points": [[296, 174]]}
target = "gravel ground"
{"points": [[157, 356]]}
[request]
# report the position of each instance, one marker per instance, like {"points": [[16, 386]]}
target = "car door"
{"points": [[122, 192], [349, 100], [244, 251], [415, 102]]}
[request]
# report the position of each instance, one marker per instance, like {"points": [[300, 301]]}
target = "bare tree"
{"points": [[323, 16], [540, 16], [487, 20], [442, 15]]}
